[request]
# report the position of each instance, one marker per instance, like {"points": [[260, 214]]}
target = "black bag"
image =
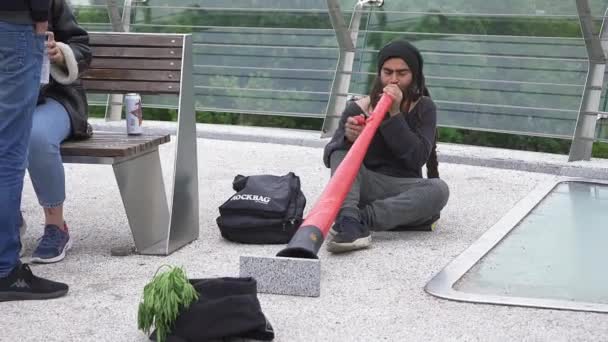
{"points": [[266, 209]]}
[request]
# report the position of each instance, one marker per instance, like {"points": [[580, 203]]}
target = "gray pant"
{"points": [[385, 202]]}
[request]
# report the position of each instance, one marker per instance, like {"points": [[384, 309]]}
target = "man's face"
{"points": [[396, 71]]}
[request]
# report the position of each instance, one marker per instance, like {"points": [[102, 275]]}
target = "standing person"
{"points": [[22, 33], [61, 114], [389, 192]]}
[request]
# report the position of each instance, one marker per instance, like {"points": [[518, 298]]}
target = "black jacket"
{"points": [[402, 144], [72, 96], [24, 11]]}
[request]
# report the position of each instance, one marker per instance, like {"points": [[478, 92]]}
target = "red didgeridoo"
{"points": [[311, 234]]}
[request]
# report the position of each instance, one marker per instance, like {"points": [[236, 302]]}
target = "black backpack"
{"points": [[265, 209]]}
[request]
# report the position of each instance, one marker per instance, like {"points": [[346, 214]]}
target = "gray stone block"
{"points": [[286, 276]]}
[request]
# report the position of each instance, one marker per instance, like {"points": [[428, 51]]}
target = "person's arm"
{"points": [[72, 41], [412, 146], [339, 140]]}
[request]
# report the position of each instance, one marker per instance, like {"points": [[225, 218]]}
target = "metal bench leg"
{"points": [[156, 230], [184, 226], [142, 190]]}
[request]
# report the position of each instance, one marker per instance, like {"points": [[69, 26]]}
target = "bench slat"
{"points": [[113, 145], [121, 87], [131, 75], [117, 39], [136, 52], [102, 139], [135, 63]]}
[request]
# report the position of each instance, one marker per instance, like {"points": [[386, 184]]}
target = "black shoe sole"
{"points": [[13, 296]]}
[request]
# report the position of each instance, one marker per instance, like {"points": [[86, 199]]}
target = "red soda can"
{"points": [[133, 114]]}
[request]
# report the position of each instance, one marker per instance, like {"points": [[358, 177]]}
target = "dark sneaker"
{"points": [[334, 230], [426, 226], [21, 284], [350, 235], [53, 245]]}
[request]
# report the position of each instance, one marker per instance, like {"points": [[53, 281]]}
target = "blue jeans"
{"points": [[20, 62], [51, 125]]}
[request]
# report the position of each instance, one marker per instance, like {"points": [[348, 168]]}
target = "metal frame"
{"points": [[442, 285], [184, 221], [142, 189], [584, 133], [347, 35], [157, 228], [347, 44], [344, 67]]}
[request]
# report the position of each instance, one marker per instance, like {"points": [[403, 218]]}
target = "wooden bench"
{"points": [[146, 64]]}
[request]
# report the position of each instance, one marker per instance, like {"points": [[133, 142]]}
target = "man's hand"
{"points": [[395, 92], [55, 54], [41, 27], [352, 129]]}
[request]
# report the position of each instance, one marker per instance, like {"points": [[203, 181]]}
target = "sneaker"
{"points": [[350, 234], [334, 231], [21, 284], [53, 245], [427, 226], [336, 227]]}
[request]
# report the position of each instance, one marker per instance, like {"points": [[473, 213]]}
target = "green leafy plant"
{"points": [[164, 297]]}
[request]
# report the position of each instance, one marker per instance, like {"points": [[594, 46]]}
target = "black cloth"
{"points": [[401, 145], [226, 308], [36, 10], [73, 97]]}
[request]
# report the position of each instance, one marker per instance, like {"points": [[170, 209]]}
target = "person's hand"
{"points": [[395, 92], [41, 27], [352, 129], [55, 54]]}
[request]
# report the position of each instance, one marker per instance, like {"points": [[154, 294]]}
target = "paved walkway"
{"points": [[372, 295]]}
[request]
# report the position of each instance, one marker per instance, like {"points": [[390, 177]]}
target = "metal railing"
{"points": [[502, 72]]}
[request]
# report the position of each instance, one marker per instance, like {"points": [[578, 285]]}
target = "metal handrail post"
{"points": [[115, 101], [347, 43], [584, 133]]}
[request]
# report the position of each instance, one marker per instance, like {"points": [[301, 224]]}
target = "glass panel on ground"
{"points": [[558, 251]]}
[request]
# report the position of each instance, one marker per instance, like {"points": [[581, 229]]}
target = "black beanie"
{"points": [[409, 53]]}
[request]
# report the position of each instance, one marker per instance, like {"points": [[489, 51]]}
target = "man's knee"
{"points": [[429, 197], [439, 192]]}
